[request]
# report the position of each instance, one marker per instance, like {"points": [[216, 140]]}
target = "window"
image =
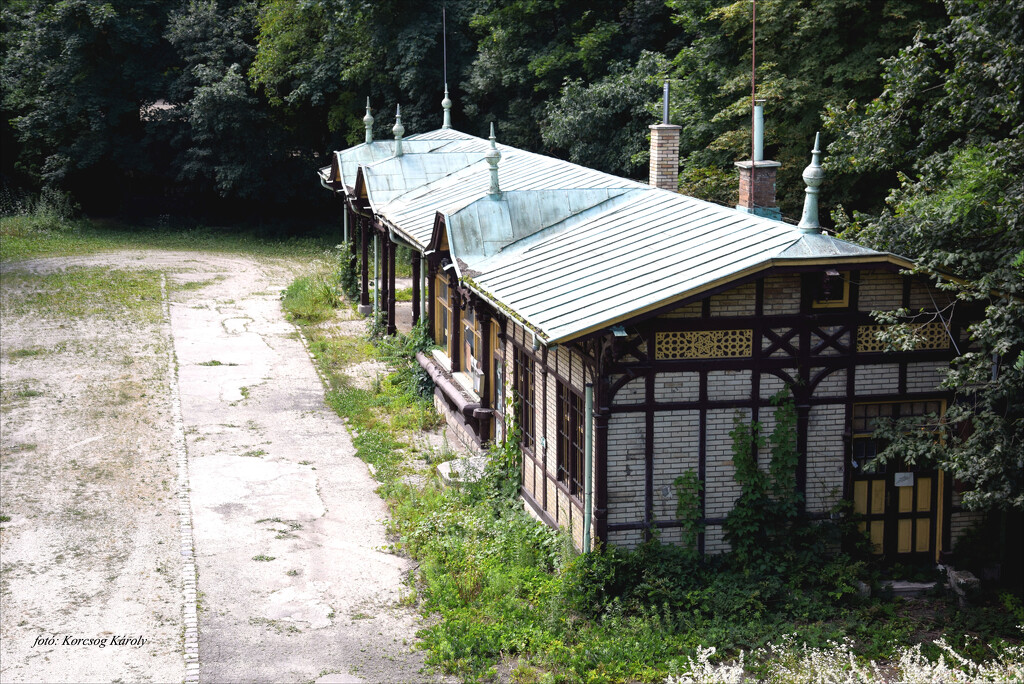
{"points": [[865, 420], [523, 372], [570, 440], [497, 387], [472, 348], [443, 324], [832, 290]]}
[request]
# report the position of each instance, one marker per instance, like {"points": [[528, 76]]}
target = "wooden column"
{"points": [[364, 276], [431, 311], [385, 245], [392, 249], [415, 287]]}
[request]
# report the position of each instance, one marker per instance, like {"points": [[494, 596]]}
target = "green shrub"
{"points": [[310, 299]]}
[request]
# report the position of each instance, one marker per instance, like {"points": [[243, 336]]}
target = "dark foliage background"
{"points": [[223, 109]]}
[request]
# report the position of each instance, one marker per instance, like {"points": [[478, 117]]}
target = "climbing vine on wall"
{"points": [[762, 525], [689, 489]]}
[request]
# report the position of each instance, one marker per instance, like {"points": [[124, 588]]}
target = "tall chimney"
{"points": [[664, 169], [757, 176]]}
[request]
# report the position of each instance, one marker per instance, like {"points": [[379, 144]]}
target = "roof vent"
{"points": [[492, 157], [664, 166], [813, 176], [399, 130], [368, 123], [446, 104], [757, 176]]}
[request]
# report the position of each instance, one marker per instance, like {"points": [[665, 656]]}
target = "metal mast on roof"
{"points": [[753, 97], [446, 103]]}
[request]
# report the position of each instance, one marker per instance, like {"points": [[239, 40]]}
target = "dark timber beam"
{"points": [[392, 248], [364, 276], [415, 287]]}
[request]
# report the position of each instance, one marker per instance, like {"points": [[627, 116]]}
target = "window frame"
{"points": [[524, 385], [833, 302], [444, 323], [571, 440], [863, 427]]}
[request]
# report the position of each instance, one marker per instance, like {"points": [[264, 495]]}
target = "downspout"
{"points": [[423, 286], [345, 215], [588, 462]]}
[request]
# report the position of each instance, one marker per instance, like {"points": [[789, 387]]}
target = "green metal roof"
{"points": [[571, 250]]}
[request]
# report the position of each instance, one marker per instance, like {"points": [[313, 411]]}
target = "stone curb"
{"points": [[189, 576]]}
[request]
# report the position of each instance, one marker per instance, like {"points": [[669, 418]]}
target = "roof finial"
{"points": [[446, 103], [813, 175], [368, 123], [399, 130], [493, 156]]}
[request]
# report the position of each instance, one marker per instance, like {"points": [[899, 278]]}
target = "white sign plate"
{"points": [[904, 479]]}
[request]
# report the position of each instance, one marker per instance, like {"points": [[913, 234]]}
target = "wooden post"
{"points": [[382, 274], [392, 248], [415, 287], [364, 276]]}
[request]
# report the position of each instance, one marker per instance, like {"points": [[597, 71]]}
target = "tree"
{"points": [[528, 50], [76, 76], [226, 137], [950, 122], [318, 62], [810, 56], [604, 124]]}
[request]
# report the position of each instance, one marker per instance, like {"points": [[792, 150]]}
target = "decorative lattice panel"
{"points": [[928, 336], [704, 344]]}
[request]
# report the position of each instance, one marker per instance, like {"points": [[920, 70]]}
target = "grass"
{"points": [[27, 236], [27, 352], [262, 558], [101, 292], [504, 590], [311, 299], [198, 284]]}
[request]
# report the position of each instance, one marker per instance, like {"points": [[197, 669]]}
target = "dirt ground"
{"points": [[292, 579]]}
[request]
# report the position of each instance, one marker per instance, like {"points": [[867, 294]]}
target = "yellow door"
{"points": [[899, 512]]}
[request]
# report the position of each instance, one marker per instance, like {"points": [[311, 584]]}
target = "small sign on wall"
{"points": [[903, 479]]}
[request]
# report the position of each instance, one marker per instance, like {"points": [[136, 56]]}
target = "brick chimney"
{"points": [[664, 169], [757, 176]]}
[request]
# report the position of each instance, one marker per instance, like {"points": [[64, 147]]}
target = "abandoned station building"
{"points": [[631, 325]]}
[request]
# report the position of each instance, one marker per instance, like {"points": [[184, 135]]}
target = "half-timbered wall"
{"points": [[671, 391], [547, 494], [680, 380]]}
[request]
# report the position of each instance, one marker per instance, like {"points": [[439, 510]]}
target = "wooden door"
{"points": [[900, 513], [900, 504]]}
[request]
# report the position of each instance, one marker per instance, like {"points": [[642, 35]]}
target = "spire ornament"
{"points": [[399, 130], [368, 123], [492, 157], [446, 104], [813, 175]]}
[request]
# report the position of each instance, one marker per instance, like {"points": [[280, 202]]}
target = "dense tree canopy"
{"points": [[241, 100], [75, 76], [950, 120]]}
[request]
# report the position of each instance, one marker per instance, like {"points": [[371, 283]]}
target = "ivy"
{"points": [[689, 489], [762, 526]]}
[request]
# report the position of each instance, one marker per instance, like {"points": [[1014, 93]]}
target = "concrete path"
{"points": [[294, 581]]}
